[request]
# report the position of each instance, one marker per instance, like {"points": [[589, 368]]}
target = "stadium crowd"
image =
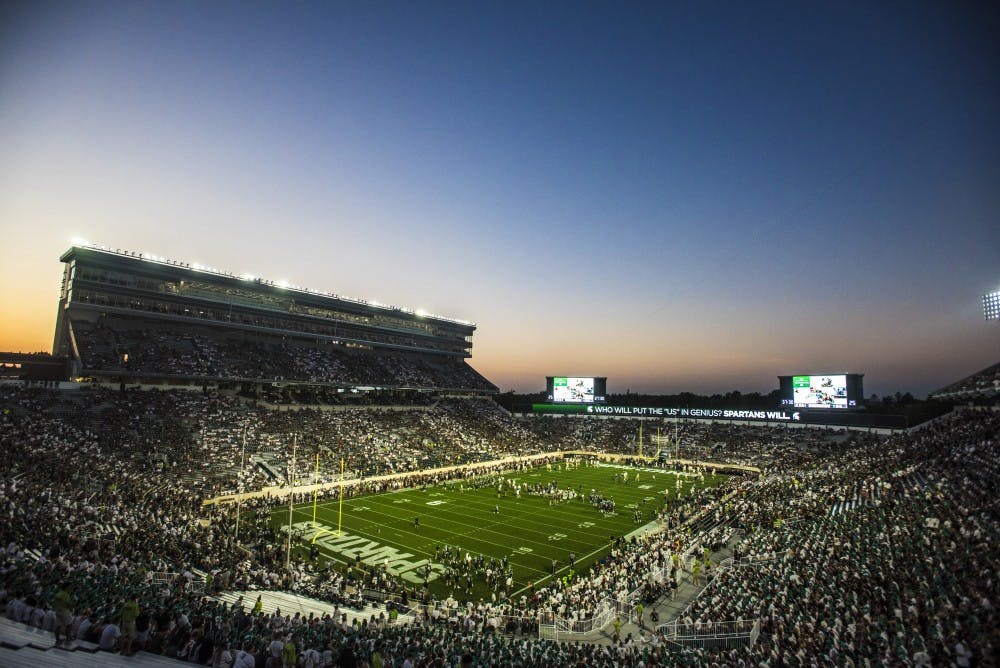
{"points": [[858, 550], [127, 348], [901, 569]]}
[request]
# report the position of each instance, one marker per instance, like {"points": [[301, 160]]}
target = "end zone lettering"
{"points": [[371, 553]]}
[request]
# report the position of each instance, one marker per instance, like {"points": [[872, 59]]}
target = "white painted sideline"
{"points": [[278, 492]]}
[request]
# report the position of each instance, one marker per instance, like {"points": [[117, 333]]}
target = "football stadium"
{"points": [[224, 470]]}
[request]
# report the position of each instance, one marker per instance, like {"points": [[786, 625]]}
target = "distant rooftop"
{"points": [[194, 266]]}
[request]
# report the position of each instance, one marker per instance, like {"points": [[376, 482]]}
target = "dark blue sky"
{"points": [[700, 196]]}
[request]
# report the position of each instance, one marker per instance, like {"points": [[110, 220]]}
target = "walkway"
{"points": [[666, 608]]}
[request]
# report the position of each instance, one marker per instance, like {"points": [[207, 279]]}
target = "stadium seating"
{"points": [[855, 547], [136, 348], [985, 383]]}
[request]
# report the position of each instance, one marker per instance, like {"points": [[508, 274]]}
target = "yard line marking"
{"points": [[484, 528], [378, 538], [527, 510], [564, 568]]}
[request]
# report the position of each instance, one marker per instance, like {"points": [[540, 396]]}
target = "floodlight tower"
{"points": [[991, 305]]}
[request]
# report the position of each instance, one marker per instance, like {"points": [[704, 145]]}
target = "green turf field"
{"points": [[528, 530]]}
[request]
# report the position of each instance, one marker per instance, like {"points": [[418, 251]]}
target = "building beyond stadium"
{"points": [[132, 315]]}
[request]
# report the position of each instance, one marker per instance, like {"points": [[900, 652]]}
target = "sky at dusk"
{"points": [[679, 196]]}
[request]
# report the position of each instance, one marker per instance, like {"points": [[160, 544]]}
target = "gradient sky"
{"points": [[679, 196]]}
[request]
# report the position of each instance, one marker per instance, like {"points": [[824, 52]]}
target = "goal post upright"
{"points": [[315, 488], [340, 509]]}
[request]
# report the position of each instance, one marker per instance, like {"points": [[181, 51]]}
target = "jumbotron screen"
{"points": [[827, 390], [576, 389]]}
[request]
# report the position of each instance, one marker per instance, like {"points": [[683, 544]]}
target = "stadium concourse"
{"points": [[847, 549]]}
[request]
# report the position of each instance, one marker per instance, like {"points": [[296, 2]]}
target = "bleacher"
{"points": [[985, 383], [819, 492], [866, 494], [23, 646], [137, 348]]}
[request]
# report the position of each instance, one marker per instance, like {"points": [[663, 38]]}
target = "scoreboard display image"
{"points": [[822, 391], [576, 389], [819, 391]]}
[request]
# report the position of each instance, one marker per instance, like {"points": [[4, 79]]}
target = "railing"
{"points": [[441, 614], [749, 562], [195, 585], [712, 635], [163, 578], [554, 627], [621, 606]]}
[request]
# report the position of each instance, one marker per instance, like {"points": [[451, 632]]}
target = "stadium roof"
{"points": [[157, 259]]}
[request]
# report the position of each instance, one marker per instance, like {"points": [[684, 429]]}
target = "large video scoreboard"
{"points": [[576, 389], [822, 391]]}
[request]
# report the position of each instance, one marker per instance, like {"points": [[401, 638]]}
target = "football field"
{"points": [[484, 519]]}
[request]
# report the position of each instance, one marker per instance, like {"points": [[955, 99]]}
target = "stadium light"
{"points": [[991, 305]]}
